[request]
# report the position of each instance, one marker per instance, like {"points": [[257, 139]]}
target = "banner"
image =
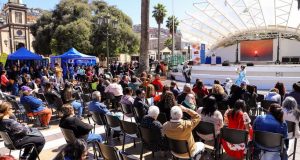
{"points": [[196, 53], [202, 53], [3, 58]]}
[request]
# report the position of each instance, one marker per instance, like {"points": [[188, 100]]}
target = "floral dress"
{"points": [[239, 121]]}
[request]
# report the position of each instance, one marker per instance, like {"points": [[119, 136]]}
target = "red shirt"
{"points": [[4, 80], [158, 83], [200, 92]]}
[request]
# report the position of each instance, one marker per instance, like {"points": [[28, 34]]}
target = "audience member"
{"points": [[271, 122], [150, 122], [237, 118], [79, 128], [158, 84], [36, 106], [51, 93], [174, 89], [59, 74], [4, 81], [127, 98], [273, 95], [140, 101], [116, 91], [167, 101], [200, 91], [219, 93], [291, 112], [19, 133], [134, 84], [74, 151], [281, 88], [180, 129], [209, 113], [68, 97], [96, 105], [186, 90], [295, 93], [190, 102], [227, 85]]}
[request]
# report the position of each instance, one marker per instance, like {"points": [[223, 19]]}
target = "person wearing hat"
{"points": [[36, 106], [227, 85], [295, 93], [242, 76]]}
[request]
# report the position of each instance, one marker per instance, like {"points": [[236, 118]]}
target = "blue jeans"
{"points": [[78, 107], [94, 137]]}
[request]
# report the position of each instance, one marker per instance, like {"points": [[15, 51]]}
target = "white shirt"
{"points": [[115, 89], [289, 116]]}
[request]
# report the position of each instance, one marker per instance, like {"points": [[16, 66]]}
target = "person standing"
{"points": [[242, 76], [187, 71], [59, 74]]}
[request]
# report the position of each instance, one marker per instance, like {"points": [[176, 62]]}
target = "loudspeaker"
{"points": [[250, 64], [226, 63]]}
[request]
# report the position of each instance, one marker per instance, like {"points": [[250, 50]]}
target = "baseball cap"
{"points": [[26, 88]]}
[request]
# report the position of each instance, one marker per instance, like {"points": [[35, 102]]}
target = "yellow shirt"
{"points": [[58, 71]]}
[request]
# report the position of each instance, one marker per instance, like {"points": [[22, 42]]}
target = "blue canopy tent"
{"points": [[24, 54], [74, 57]]}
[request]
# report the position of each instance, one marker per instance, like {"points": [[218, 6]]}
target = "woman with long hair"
{"points": [[281, 88], [19, 133], [219, 93], [68, 98], [237, 118], [209, 113], [200, 91], [167, 101]]}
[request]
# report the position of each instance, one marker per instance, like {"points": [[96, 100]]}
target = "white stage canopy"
{"points": [[222, 22]]}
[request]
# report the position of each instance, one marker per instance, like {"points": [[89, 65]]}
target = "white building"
{"points": [[14, 30]]}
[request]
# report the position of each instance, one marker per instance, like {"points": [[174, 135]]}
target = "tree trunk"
{"points": [[158, 43], [144, 47]]}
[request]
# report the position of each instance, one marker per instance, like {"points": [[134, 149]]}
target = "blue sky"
{"points": [[130, 7]]}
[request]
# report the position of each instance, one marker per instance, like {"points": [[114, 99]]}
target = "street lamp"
{"points": [[106, 21]]}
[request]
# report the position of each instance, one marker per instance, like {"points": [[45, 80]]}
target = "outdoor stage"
{"points": [[263, 76]]}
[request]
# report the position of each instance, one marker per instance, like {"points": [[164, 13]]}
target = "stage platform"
{"points": [[263, 76]]}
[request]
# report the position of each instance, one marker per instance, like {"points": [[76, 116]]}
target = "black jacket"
{"points": [[79, 128]]}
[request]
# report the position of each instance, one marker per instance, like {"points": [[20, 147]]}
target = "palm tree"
{"points": [[159, 14], [170, 27], [144, 46]]}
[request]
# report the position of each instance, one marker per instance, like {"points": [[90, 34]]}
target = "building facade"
{"points": [[14, 28]]}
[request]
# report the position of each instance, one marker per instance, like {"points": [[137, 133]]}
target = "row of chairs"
{"points": [[234, 136]]}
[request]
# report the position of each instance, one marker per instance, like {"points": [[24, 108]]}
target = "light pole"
{"points": [[106, 21]]}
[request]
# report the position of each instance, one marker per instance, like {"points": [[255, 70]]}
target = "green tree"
{"points": [[159, 14], [121, 40], [73, 24], [75, 34], [169, 25], [144, 46], [168, 43]]}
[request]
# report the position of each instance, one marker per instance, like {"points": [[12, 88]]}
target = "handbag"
{"points": [[34, 132]]}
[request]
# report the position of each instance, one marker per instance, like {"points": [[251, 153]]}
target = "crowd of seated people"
{"points": [[184, 110]]}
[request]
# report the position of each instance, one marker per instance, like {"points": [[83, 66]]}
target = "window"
{"points": [[18, 17]]}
